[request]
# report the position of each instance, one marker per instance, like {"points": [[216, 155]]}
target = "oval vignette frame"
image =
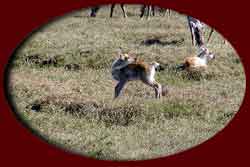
{"points": [[19, 143]]}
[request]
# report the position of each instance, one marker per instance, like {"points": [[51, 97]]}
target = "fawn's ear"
{"points": [[120, 53]]}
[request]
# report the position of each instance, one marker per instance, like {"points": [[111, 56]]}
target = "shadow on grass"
{"points": [[157, 41], [123, 115], [118, 115]]}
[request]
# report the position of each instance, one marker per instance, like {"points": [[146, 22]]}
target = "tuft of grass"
{"points": [[98, 62]]}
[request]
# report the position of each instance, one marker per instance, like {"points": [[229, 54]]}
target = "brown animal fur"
{"points": [[135, 62], [139, 63], [191, 62], [198, 62]]}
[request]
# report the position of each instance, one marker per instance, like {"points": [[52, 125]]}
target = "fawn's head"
{"points": [[155, 65], [127, 57]]}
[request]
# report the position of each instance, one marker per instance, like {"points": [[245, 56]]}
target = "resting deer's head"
{"points": [[205, 53]]}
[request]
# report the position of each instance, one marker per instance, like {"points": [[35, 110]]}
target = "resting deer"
{"points": [[197, 62], [127, 68]]}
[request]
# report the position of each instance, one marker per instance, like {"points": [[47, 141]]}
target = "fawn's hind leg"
{"points": [[157, 88]]}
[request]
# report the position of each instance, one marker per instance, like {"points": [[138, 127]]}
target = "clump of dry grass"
{"points": [[73, 94]]}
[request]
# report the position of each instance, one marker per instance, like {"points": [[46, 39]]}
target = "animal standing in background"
{"points": [[123, 10], [147, 10], [197, 62], [95, 9], [164, 11], [127, 68], [196, 27]]}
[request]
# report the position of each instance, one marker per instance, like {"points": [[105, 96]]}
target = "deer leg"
{"points": [[163, 12], [191, 30], [118, 87], [202, 37], [169, 12], [192, 36], [124, 11], [94, 11], [112, 10], [158, 90], [210, 34], [142, 10], [198, 37], [153, 10], [148, 11]]}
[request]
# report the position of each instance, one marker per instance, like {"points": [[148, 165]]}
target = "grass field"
{"points": [[63, 73]]}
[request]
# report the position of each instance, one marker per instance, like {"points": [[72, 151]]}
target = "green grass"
{"points": [[76, 107]]}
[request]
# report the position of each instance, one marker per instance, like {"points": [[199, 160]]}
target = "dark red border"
{"points": [[20, 147]]}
